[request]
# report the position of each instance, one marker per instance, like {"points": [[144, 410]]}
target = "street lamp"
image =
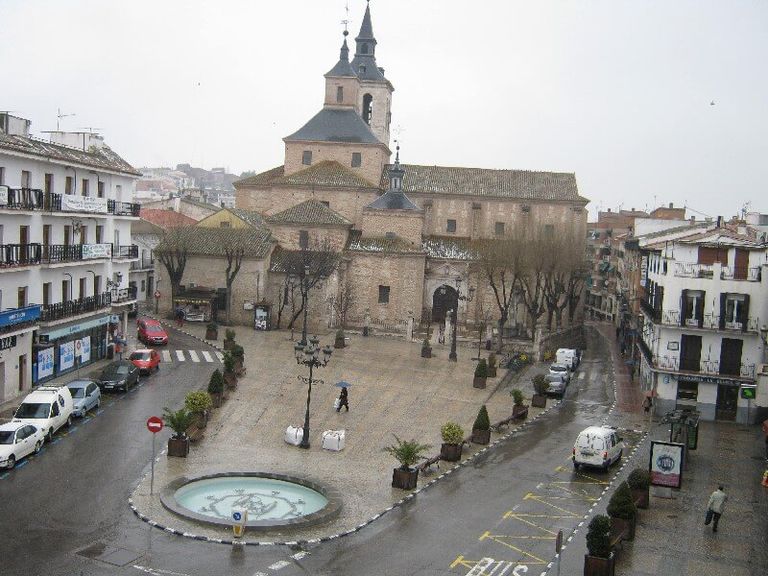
{"points": [[304, 302], [309, 355], [452, 355]]}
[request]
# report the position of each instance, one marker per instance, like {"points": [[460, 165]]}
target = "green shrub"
{"points": [[517, 396], [481, 370], [482, 422], [229, 334], [407, 452], [452, 433], [599, 536], [216, 383], [621, 504], [639, 479], [198, 402], [540, 384], [425, 344], [178, 421], [212, 326], [492, 360], [238, 352], [339, 333], [229, 361]]}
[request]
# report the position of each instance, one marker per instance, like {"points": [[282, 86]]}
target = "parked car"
{"points": [[18, 439], [568, 357], [146, 360], [556, 385], [118, 375], [85, 395], [150, 331], [561, 370], [48, 408], [598, 447]]}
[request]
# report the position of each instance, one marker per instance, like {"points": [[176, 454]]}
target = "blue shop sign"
{"points": [[19, 315], [75, 328]]}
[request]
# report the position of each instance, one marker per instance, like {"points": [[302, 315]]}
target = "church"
{"points": [[402, 231]]}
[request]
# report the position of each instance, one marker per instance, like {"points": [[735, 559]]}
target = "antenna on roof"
{"points": [[59, 116]]}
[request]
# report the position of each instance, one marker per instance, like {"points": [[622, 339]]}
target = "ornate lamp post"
{"points": [[310, 356], [304, 301], [459, 297]]}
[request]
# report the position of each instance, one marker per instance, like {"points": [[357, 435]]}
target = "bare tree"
{"points": [[172, 251], [575, 287], [532, 277], [235, 245], [343, 301], [558, 258]]}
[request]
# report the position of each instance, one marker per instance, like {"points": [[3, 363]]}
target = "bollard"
{"points": [[765, 478]]}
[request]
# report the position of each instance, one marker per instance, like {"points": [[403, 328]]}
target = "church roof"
{"points": [[248, 216], [364, 63], [335, 125], [257, 242], [392, 244], [393, 200], [266, 177], [342, 68], [327, 173], [519, 184], [309, 212]]}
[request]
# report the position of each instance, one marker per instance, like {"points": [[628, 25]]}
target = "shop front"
{"points": [[60, 350], [198, 304]]}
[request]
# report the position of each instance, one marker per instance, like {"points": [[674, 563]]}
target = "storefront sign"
{"points": [[75, 328], [45, 363], [72, 203], [709, 379], [666, 464], [91, 251], [19, 316], [7, 342], [66, 355]]}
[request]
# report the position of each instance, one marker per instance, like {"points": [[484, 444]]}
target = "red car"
{"points": [[146, 360], [151, 332]]}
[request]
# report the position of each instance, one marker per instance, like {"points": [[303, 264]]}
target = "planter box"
{"points": [[539, 401], [596, 566], [211, 334], [520, 412], [491, 371], [451, 452], [218, 400], [178, 447], [478, 382], [641, 497], [621, 526], [228, 344], [231, 380], [426, 352], [405, 479], [481, 436]]}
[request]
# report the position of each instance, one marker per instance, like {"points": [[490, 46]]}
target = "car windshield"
{"points": [[77, 392], [140, 356], [6, 437], [154, 328], [29, 410], [556, 368]]}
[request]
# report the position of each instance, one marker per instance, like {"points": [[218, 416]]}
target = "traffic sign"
{"points": [[157, 294], [748, 392], [154, 424], [559, 542]]}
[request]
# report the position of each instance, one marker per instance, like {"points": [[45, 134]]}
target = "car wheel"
{"points": [[621, 453], [38, 446], [49, 436], [11, 462], [575, 465], [69, 420], [98, 403]]}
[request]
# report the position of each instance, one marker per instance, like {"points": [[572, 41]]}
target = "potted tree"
{"points": [[426, 349], [179, 421], [407, 452], [519, 410], [639, 481], [211, 331], [340, 341], [216, 388], [229, 370], [599, 559], [238, 353], [623, 512], [481, 429], [481, 374], [453, 441], [491, 365], [198, 403], [229, 338], [539, 399]]}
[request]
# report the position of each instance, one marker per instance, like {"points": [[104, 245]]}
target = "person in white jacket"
{"points": [[715, 507]]}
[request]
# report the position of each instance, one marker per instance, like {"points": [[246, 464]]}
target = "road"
{"points": [[65, 512]]}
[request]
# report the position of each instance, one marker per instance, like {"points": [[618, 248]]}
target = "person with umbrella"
{"points": [[343, 396]]}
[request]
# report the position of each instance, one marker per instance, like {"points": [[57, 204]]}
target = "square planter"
{"points": [[491, 371], [481, 436], [479, 382], [178, 447], [339, 343], [539, 401], [405, 479], [426, 352], [217, 400], [520, 412], [597, 566], [641, 497], [211, 334], [620, 525], [451, 452], [231, 380], [229, 344]]}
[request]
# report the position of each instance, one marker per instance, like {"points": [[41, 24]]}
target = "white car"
{"points": [[47, 408], [18, 439], [561, 370], [598, 447]]}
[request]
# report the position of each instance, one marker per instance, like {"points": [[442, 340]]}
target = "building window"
{"points": [[734, 311], [451, 226], [48, 183], [499, 229], [22, 297], [69, 185], [693, 308], [143, 286], [339, 94], [82, 288], [306, 157], [47, 291], [325, 203], [100, 189], [383, 294], [357, 159], [367, 104], [84, 189], [2, 176], [119, 191], [225, 224], [303, 239], [390, 235], [26, 179], [99, 234], [525, 208]]}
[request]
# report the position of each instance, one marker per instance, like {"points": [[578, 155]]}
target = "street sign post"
{"points": [[157, 300], [559, 549], [154, 425]]}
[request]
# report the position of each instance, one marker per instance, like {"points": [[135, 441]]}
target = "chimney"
{"points": [[719, 221], [85, 141], [13, 125], [671, 204], [693, 219]]}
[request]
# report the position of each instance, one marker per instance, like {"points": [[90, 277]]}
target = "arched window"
{"points": [[339, 94], [367, 108]]}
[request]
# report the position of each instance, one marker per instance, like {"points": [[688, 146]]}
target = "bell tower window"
{"points": [[367, 108], [357, 159], [340, 94], [306, 158], [364, 49]]}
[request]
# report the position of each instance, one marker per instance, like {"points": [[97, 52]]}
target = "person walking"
{"points": [[179, 316], [343, 400], [715, 507]]}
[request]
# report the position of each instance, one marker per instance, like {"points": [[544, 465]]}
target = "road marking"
{"points": [[193, 356], [207, 356], [220, 356], [166, 355], [158, 571], [180, 355], [300, 555], [280, 564]]}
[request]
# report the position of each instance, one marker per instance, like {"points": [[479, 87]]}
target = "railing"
{"points": [[143, 264], [384, 326], [120, 295], [123, 208], [28, 199], [129, 251], [688, 270], [54, 253], [671, 317], [20, 254], [748, 274], [654, 313], [62, 310], [709, 367]]}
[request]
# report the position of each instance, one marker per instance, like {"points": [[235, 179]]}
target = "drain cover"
{"points": [[109, 554]]}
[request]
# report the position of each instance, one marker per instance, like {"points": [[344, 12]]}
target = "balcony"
{"points": [[123, 208], [707, 367], [15, 255], [130, 251], [124, 295], [654, 313], [64, 310], [689, 270], [748, 274], [28, 199], [17, 318], [709, 322], [143, 264]]}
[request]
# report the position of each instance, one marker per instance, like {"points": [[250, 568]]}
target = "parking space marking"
{"points": [[279, 565]]}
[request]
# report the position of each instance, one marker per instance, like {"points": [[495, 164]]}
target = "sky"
{"points": [[648, 102]]}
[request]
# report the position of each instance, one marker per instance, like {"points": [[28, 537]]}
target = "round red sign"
{"points": [[157, 294], [154, 424]]}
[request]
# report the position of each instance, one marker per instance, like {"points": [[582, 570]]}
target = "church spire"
{"points": [[364, 63], [342, 68], [396, 173]]}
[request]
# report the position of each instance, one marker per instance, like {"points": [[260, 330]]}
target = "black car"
{"points": [[118, 375]]}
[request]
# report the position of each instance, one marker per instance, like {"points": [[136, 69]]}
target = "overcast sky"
{"points": [[619, 92]]}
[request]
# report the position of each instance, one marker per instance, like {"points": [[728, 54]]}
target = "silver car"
{"points": [[85, 395], [556, 385]]}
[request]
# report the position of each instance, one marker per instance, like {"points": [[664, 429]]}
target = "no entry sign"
{"points": [[157, 294], [154, 424]]}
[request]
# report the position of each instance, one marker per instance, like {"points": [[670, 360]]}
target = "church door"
{"points": [[444, 299]]}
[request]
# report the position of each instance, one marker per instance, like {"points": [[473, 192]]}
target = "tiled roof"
{"points": [[214, 241], [720, 236], [249, 216], [166, 218], [518, 184], [309, 212], [335, 125], [395, 244], [448, 247], [676, 230], [260, 179], [103, 158], [326, 173], [393, 200]]}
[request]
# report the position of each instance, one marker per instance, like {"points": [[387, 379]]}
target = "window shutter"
{"points": [[723, 297], [683, 306], [744, 313], [700, 309]]}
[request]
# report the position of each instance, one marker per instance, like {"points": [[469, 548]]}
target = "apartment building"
{"points": [[65, 252]]}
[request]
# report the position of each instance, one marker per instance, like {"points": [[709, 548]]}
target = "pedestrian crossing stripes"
{"points": [[192, 356]]}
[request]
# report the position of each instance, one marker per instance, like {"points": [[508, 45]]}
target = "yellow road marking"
{"points": [[541, 500], [461, 562], [536, 559]]}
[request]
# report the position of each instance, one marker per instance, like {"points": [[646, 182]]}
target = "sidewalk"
{"points": [[671, 538]]}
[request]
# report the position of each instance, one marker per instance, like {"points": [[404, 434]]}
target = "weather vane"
{"points": [[346, 20]]}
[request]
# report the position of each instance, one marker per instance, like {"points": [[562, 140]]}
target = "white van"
{"points": [[568, 357], [597, 446], [48, 408]]}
